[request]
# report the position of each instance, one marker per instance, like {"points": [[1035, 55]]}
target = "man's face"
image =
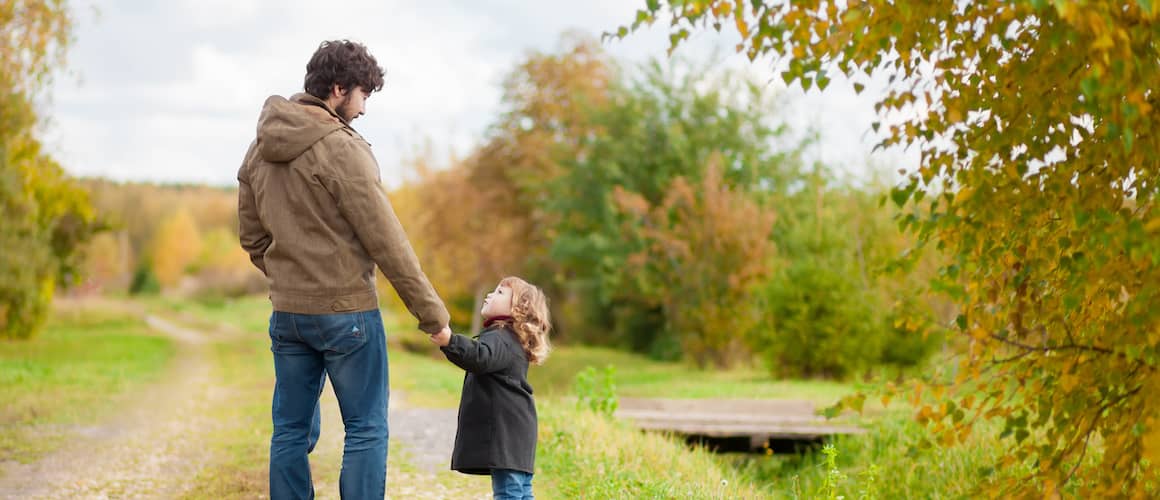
{"points": [[353, 104]]}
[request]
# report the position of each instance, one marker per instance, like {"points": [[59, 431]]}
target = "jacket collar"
{"points": [[305, 98]]}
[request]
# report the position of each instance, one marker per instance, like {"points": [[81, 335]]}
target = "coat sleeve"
{"points": [[486, 355], [363, 202], [251, 233]]}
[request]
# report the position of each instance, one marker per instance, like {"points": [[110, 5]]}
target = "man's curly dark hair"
{"points": [[345, 63]]}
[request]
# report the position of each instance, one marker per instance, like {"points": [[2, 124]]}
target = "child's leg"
{"points": [[507, 484], [528, 486]]}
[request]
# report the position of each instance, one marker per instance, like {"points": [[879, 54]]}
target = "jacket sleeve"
{"points": [[486, 355], [362, 200], [253, 236]]}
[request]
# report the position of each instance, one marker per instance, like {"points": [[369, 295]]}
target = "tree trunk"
{"points": [[476, 319]]}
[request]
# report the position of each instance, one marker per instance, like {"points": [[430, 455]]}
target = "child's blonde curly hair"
{"points": [[530, 317]]}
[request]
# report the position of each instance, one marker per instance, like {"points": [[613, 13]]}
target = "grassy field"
{"points": [[638, 376], [80, 368]]}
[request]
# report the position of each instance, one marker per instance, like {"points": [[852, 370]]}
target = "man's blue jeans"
{"points": [[349, 348]]}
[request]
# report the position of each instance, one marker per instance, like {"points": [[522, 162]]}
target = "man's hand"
{"points": [[443, 337]]}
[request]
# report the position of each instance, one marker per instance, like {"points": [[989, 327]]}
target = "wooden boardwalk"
{"points": [[753, 421]]}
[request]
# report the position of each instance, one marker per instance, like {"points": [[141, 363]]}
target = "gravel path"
{"points": [[420, 465], [152, 448], [425, 435], [149, 450]]}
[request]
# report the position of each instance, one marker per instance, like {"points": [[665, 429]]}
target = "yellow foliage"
{"points": [[1041, 145], [175, 247]]}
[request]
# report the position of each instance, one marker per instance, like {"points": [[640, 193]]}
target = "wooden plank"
{"points": [[755, 418], [773, 419], [732, 430], [721, 405]]}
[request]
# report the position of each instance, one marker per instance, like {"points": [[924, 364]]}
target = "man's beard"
{"points": [[343, 109]]}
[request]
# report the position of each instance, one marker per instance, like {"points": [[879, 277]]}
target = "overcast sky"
{"points": [[170, 91]]}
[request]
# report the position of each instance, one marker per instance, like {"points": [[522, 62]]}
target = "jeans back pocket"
{"points": [[343, 332]]}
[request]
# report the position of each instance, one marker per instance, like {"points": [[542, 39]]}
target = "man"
{"points": [[315, 219]]}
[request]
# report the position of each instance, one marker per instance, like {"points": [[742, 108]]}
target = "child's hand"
{"points": [[442, 338]]}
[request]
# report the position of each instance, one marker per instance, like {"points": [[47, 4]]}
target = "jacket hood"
{"points": [[289, 127]]}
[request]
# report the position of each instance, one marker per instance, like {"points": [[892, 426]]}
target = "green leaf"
{"points": [[823, 81], [900, 195], [1089, 86]]}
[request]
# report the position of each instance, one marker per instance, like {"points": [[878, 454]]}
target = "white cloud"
{"points": [[171, 91]]}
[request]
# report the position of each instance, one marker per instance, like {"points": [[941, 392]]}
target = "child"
{"points": [[497, 415]]}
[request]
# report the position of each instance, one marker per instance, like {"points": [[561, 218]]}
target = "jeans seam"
{"points": [[297, 334]]}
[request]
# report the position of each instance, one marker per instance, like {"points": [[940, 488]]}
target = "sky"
{"points": [[170, 91]]}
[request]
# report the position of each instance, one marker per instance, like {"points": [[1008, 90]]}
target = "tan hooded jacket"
{"points": [[314, 217]]}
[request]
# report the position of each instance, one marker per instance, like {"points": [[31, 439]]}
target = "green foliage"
{"points": [[834, 477], [1037, 127], [44, 217], [45, 220], [707, 249], [666, 211], [144, 281], [662, 125], [896, 458], [828, 305], [596, 390]]}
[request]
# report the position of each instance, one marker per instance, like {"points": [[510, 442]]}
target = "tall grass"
{"points": [[895, 458], [583, 454]]}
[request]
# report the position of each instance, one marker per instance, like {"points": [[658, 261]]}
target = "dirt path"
{"points": [[421, 441], [149, 450], [153, 447]]}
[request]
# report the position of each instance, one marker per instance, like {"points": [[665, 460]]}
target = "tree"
{"points": [[827, 304], [706, 249], [44, 216], [660, 124], [176, 246], [484, 215], [1037, 126]]}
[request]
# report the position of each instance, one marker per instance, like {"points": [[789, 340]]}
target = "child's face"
{"points": [[497, 303]]}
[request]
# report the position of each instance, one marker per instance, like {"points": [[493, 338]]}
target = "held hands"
{"points": [[442, 338]]}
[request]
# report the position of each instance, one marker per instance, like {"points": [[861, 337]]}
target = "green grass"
{"points": [[250, 313], [77, 370], [622, 463], [639, 376], [894, 459], [240, 438], [582, 454], [426, 381]]}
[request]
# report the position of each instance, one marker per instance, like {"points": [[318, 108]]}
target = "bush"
{"points": [[596, 390], [144, 281]]}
